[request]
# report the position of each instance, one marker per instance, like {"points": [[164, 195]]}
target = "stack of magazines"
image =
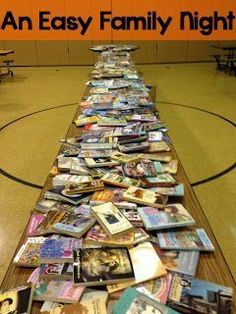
{"points": [[112, 235]]}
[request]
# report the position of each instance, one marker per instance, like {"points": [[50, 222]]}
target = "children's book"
{"points": [[193, 240], [58, 250], [17, 300], [171, 216], [111, 219], [117, 180], [133, 301], [146, 197], [56, 271], [115, 196], [192, 295], [100, 162], [99, 266]]}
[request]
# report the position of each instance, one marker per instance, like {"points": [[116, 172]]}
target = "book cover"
{"points": [[56, 270], [155, 136], [124, 158], [177, 190], [164, 179], [112, 122], [73, 189], [184, 262], [132, 301], [190, 295], [196, 240], [28, 254], [143, 168], [63, 179], [133, 147], [162, 157], [111, 219], [171, 216], [98, 266], [146, 197], [96, 235], [95, 153], [115, 196], [76, 223], [58, 194], [46, 205], [58, 250], [133, 216], [57, 308], [117, 180], [16, 301], [157, 147], [35, 220], [140, 236], [100, 162], [46, 225], [81, 121]]}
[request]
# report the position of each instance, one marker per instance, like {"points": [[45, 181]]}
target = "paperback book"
{"points": [[99, 266], [177, 190], [117, 180], [95, 153], [171, 216], [46, 205], [57, 193], [160, 180], [193, 240], [63, 179], [100, 162], [143, 168], [124, 158], [111, 219], [80, 188], [35, 220], [56, 271]]}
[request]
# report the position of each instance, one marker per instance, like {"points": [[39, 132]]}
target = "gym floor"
{"points": [[196, 102]]}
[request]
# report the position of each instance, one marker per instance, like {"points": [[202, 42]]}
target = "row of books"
{"points": [[111, 234]]}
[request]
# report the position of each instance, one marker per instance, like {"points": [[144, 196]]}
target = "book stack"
{"points": [[112, 234]]}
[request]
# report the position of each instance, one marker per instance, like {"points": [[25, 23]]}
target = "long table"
{"points": [[212, 266]]}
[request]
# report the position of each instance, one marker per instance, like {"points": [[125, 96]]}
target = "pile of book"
{"points": [[111, 235]]}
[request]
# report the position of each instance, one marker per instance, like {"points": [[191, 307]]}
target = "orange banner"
{"points": [[118, 20]]}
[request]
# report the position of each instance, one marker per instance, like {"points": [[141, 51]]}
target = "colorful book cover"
{"points": [[111, 219], [81, 121], [171, 216], [184, 262], [28, 254], [146, 197], [56, 270], [16, 301], [162, 157], [190, 295], [98, 266], [143, 168], [73, 189], [96, 235], [59, 250], [117, 180], [46, 205], [93, 153], [63, 179], [100, 162], [132, 301], [196, 240], [58, 194], [76, 223], [124, 158], [164, 179], [57, 308], [112, 122], [177, 190], [133, 216], [34, 221], [46, 225]]}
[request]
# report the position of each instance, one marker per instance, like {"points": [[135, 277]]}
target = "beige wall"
{"points": [[77, 53]]}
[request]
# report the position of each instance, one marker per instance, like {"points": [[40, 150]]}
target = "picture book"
{"points": [[115, 196], [124, 158], [100, 162], [96, 235], [142, 255], [28, 254], [177, 190], [17, 300], [58, 194], [34, 221], [111, 219], [132, 301], [56, 270], [164, 179], [58, 250], [54, 290], [76, 223], [75, 189], [146, 197], [143, 168], [192, 295], [45, 205], [99, 266], [184, 262], [196, 240], [171, 216], [117, 180], [158, 147]]}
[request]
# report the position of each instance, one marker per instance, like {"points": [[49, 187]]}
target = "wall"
{"points": [[77, 53]]}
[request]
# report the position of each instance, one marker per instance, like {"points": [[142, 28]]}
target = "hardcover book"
{"points": [[96, 235], [146, 197], [190, 295], [171, 216], [76, 223], [56, 271], [16, 301], [58, 250], [99, 266], [111, 219], [132, 301], [184, 262], [117, 180], [194, 240], [28, 254]]}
